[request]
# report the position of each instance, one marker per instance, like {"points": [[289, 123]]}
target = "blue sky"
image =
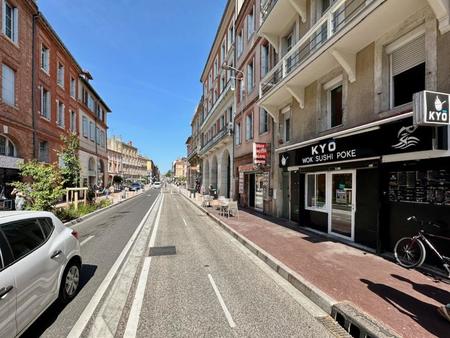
{"points": [[146, 57]]}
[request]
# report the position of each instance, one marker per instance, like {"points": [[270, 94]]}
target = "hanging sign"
{"points": [[431, 108], [260, 152]]}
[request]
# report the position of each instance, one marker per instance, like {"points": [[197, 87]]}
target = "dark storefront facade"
{"points": [[361, 185]]}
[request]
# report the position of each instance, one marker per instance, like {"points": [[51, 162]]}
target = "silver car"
{"points": [[40, 262]]}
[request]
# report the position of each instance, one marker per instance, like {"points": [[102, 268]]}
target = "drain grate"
{"points": [[333, 327], [162, 251]]}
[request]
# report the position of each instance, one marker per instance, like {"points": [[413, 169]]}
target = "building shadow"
{"points": [[422, 313], [49, 316], [439, 295]]}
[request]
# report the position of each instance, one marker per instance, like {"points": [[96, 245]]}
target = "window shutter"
{"points": [[408, 56]]}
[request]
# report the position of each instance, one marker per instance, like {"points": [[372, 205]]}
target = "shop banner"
{"points": [[241, 182], [260, 153], [398, 137], [431, 108]]}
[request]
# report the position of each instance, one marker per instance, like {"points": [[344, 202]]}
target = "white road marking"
{"points": [[185, 223], [89, 310], [222, 303], [136, 306], [86, 240]]}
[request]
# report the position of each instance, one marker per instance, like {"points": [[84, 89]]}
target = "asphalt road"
{"points": [[106, 234], [211, 287]]}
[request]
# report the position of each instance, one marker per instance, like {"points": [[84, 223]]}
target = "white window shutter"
{"points": [[408, 56]]}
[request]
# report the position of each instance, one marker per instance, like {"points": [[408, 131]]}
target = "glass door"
{"points": [[259, 192], [342, 213]]}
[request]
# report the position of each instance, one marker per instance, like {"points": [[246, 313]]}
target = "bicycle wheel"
{"points": [[409, 252]]}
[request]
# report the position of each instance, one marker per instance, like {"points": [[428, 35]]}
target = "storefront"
{"points": [[361, 184]]}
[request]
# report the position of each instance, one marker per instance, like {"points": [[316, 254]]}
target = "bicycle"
{"points": [[410, 252]]}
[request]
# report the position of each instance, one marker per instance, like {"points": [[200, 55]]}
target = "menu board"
{"points": [[421, 186]]}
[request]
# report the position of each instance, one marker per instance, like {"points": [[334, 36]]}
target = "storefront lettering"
{"points": [[330, 147], [340, 155]]}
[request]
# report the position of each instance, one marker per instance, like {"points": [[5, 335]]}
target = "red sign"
{"points": [[260, 153]]}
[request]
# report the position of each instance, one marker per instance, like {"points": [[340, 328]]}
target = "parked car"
{"points": [[135, 186], [40, 262], [157, 185]]}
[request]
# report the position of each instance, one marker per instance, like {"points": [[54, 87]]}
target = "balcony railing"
{"points": [[333, 21], [266, 8], [224, 132], [219, 99]]}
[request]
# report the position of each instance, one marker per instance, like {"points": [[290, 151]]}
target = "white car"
{"points": [[157, 185], [40, 262]]}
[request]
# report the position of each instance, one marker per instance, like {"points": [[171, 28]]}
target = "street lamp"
{"points": [[226, 66]]}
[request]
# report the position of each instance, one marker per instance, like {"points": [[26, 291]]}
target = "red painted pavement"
{"points": [[405, 300]]}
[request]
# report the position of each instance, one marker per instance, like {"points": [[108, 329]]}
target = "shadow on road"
{"points": [[423, 313], [51, 314]]}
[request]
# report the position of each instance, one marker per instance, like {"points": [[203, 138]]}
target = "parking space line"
{"points": [[222, 303], [86, 240], [136, 306]]}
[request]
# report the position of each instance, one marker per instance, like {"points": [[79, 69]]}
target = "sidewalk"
{"points": [[405, 300]]}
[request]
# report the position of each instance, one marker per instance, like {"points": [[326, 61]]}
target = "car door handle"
{"points": [[4, 291], [56, 254]]}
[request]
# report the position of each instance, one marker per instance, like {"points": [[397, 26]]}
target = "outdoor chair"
{"points": [[233, 209]]}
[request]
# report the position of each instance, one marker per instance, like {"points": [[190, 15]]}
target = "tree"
{"points": [[71, 167], [117, 179], [42, 185], [169, 173]]}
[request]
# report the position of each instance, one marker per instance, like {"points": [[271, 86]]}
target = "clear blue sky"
{"points": [[146, 57]]}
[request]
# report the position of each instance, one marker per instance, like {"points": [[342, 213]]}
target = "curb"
{"points": [[74, 222], [345, 313]]}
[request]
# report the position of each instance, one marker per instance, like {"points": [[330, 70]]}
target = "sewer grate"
{"points": [[162, 251], [333, 327]]}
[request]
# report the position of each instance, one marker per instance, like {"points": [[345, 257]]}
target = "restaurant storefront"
{"points": [[361, 184]]}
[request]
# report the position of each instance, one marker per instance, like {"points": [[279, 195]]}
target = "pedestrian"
{"points": [[19, 201], [444, 311]]}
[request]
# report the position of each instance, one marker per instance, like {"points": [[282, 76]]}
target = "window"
{"points": [[264, 59], [8, 85], [250, 24], [92, 131], [241, 90], [23, 237], [90, 102], [249, 127], [240, 44], [407, 64], [73, 87], [45, 58], [7, 148], [45, 103], [10, 21], [97, 135], [102, 139], [335, 104], [250, 77], [237, 134], [73, 121], [47, 226], [60, 114], [43, 151], [223, 50], [263, 121], [85, 127], [60, 75], [315, 191]]}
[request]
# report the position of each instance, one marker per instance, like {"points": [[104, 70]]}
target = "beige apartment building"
{"points": [[352, 159], [179, 168], [125, 160], [216, 151]]}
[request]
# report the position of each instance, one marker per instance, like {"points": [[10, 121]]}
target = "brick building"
{"points": [[253, 125], [16, 123]]}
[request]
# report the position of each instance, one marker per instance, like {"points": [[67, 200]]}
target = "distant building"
{"points": [[125, 161], [179, 168], [152, 170]]}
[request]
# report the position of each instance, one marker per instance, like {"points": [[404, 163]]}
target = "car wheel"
{"points": [[70, 282]]}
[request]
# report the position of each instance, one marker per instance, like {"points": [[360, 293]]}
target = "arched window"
{"points": [[7, 147], [91, 164]]}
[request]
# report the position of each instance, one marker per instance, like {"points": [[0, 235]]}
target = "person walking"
{"points": [[444, 311]]}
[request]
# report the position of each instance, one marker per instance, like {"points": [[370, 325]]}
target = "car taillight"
{"points": [[75, 234]]}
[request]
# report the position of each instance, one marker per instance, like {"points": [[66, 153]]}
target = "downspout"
{"points": [[33, 83]]}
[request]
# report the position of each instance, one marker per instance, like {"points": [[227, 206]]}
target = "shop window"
{"points": [[407, 67], [315, 191]]}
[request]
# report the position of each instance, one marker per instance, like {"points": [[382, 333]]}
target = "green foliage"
{"points": [[169, 173], [68, 214], [71, 167], [41, 185]]}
